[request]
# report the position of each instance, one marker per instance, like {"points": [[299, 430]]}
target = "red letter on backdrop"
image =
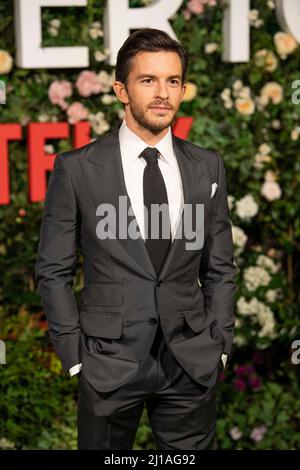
{"points": [[39, 161], [182, 127], [7, 132], [82, 131]]}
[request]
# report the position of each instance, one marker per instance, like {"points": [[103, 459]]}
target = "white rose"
{"points": [[284, 43], [245, 106], [272, 91], [246, 207], [271, 190], [210, 47]]}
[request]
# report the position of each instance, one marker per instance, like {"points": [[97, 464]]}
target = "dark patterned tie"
{"points": [[155, 192]]}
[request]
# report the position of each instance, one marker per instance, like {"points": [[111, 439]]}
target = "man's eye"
{"points": [[174, 81]]}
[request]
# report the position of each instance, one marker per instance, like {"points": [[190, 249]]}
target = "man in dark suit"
{"points": [[155, 320]]}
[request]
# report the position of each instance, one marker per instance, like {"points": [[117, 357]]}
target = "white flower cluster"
{"points": [[95, 30], [259, 313], [100, 56], [273, 294], [239, 96], [211, 47], [270, 189], [239, 239], [98, 122], [246, 207], [53, 27], [230, 200], [254, 20], [266, 59], [262, 156], [295, 133], [106, 80], [239, 340], [6, 444], [267, 262], [256, 276], [108, 99]]}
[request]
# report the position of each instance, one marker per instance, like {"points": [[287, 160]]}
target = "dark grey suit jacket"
{"points": [[111, 328]]}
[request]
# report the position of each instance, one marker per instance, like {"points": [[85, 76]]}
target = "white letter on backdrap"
{"points": [[28, 28], [288, 16], [120, 19], [236, 31]]}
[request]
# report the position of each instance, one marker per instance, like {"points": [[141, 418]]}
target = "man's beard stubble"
{"points": [[141, 119]]}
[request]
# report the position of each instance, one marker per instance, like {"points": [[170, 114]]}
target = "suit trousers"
{"points": [[181, 412]]}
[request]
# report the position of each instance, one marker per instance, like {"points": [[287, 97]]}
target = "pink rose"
{"points": [[87, 83], [245, 370], [240, 371], [196, 6], [258, 433], [77, 112], [255, 382], [58, 91], [239, 385]]}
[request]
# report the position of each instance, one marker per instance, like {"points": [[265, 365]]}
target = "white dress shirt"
{"points": [[131, 146]]}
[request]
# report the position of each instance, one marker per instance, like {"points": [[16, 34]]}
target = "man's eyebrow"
{"points": [[148, 75]]}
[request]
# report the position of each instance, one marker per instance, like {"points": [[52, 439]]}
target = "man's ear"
{"points": [[183, 91], [120, 91]]}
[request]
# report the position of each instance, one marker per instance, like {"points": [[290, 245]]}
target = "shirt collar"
{"points": [[133, 145]]}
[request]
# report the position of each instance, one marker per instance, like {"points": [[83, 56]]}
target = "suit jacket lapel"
{"points": [[103, 171], [192, 170]]}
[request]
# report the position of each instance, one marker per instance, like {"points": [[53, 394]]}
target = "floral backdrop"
{"points": [[246, 112]]}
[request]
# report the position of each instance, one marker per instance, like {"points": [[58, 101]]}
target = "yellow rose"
{"points": [[190, 92], [272, 91], [6, 62], [245, 105], [284, 43], [267, 59]]}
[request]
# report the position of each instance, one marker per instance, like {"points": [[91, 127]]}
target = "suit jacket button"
{"points": [[152, 321], [159, 283]]}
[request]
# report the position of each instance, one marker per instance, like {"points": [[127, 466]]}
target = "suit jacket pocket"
{"points": [[102, 293], [102, 324], [198, 318]]}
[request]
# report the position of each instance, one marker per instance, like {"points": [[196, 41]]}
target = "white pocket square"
{"points": [[213, 189]]}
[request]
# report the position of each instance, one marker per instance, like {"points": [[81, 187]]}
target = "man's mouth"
{"points": [[160, 109]]}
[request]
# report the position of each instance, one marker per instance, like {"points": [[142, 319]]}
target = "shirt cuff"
{"points": [[75, 369], [224, 358]]}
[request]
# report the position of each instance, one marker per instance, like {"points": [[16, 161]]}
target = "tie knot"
{"points": [[150, 154]]}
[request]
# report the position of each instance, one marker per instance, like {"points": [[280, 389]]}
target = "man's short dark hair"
{"points": [[148, 40]]}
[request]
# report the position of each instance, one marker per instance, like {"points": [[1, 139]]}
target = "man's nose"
{"points": [[162, 90]]}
